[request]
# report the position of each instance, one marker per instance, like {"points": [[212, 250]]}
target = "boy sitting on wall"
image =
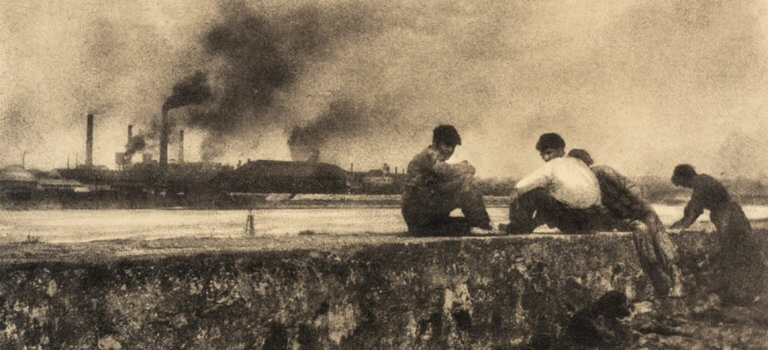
{"points": [[434, 188]]}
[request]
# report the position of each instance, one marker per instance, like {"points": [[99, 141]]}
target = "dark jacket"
{"points": [[434, 188], [620, 195]]}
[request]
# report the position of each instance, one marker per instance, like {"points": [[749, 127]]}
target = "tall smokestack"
{"points": [[89, 141], [128, 155], [181, 146], [164, 141], [190, 90]]}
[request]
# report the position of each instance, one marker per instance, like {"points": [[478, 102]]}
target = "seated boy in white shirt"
{"points": [[563, 193]]}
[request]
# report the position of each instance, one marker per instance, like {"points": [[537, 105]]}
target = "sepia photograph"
{"points": [[357, 174]]}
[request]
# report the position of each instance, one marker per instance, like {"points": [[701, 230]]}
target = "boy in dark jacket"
{"points": [[628, 211], [434, 188]]}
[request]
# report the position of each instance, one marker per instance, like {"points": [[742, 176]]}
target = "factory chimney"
{"points": [[89, 141], [129, 152], [181, 146], [164, 141]]}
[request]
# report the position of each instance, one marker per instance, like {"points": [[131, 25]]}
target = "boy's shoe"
{"points": [[487, 230]]}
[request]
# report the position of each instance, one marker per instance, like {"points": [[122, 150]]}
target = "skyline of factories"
{"points": [[161, 153], [642, 86]]}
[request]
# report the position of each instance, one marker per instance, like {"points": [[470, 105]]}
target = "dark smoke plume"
{"points": [[136, 144], [263, 56], [344, 119], [190, 90]]}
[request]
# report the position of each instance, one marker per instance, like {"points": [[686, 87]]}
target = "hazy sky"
{"points": [[641, 85]]}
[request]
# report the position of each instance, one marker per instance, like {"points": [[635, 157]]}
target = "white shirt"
{"points": [[567, 179]]}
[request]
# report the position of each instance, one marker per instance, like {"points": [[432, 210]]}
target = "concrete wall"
{"points": [[502, 292]]}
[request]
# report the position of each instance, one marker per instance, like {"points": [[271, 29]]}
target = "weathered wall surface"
{"points": [[502, 292]]}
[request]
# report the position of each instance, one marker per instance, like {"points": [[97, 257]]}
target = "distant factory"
{"points": [[377, 181], [198, 184]]}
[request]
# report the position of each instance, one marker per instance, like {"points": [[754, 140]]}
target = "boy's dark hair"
{"points": [[446, 134], [582, 155], [550, 140], [682, 173]]}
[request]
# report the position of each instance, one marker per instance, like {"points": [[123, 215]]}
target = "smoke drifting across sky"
{"points": [[642, 86]]}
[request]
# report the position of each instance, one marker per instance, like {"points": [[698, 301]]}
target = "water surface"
{"points": [[87, 225]]}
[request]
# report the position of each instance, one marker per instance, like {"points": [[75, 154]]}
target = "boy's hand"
{"points": [[466, 168]]}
